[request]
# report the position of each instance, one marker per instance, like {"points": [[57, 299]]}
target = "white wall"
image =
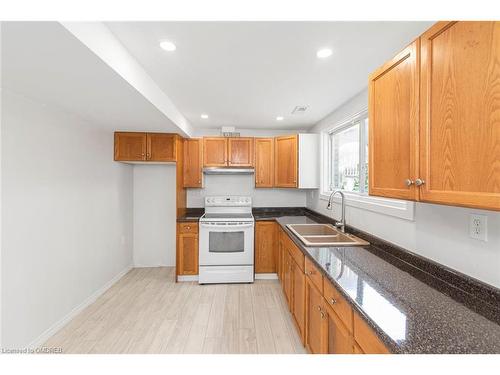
{"points": [[66, 216], [154, 215], [437, 232]]}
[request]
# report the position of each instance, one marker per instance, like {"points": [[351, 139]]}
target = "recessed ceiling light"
{"points": [[204, 116], [279, 118], [168, 46], [324, 52]]}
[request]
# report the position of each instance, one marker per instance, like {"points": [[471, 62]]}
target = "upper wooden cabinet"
{"points": [[130, 146], [134, 146], [286, 159], [227, 152], [264, 162], [460, 114], [436, 137], [215, 152], [393, 113], [193, 162], [240, 152], [161, 147]]}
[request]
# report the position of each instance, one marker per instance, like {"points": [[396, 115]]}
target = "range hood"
{"points": [[228, 170]]}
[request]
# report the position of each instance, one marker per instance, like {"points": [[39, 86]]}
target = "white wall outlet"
{"points": [[478, 227]]}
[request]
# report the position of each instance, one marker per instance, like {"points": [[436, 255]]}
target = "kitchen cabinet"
{"points": [[240, 152], [316, 327], [215, 152], [340, 340], [193, 162], [130, 146], [187, 249], [324, 319], [149, 147], [460, 114], [298, 298], [287, 277], [366, 339], [393, 122], [434, 128], [296, 160], [266, 246], [286, 159], [264, 162], [161, 147], [227, 152]]}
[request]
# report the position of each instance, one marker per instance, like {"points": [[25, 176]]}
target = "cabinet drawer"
{"points": [[367, 340], [295, 253], [314, 274], [190, 227], [338, 303]]}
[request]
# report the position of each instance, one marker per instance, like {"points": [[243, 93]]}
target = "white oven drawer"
{"points": [[225, 274]]}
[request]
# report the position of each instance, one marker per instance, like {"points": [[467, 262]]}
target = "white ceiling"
{"points": [[42, 60], [245, 74]]}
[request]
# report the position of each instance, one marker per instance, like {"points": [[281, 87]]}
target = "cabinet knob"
{"points": [[319, 308], [188, 227], [408, 182], [310, 272], [333, 301], [419, 182], [322, 315]]}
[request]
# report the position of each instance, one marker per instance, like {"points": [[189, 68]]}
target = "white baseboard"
{"points": [[152, 265], [65, 320], [182, 278], [266, 276]]}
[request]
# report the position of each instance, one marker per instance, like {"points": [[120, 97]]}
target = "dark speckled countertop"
{"points": [[409, 315]]}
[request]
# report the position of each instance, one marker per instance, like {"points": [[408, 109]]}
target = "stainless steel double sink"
{"points": [[324, 235]]}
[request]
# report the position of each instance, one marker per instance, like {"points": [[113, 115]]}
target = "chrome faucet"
{"points": [[339, 224]]}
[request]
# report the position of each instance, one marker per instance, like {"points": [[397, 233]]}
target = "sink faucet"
{"points": [[339, 224]]}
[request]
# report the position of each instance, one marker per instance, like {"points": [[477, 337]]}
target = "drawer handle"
{"points": [[333, 301], [322, 315], [188, 227]]}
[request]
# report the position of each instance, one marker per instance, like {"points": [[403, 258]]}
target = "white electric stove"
{"points": [[226, 241]]}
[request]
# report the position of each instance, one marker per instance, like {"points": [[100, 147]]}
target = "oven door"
{"points": [[226, 243]]}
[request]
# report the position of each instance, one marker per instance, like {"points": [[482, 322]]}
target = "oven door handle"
{"points": [[226, 226]]}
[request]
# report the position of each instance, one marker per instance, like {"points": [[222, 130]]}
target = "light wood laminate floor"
{"points": [[147, 312]]}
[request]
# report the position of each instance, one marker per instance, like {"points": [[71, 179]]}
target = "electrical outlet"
{"points": [[478, 227]]}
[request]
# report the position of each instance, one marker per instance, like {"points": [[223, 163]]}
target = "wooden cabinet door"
{"points": [[315, 320], [460, 114], [366, 338], [193, 162], [215, 152], [264, 162], [161, 147], [266, 246], [393, 125], [340, 340], [240, 152], [130, 146], [281, 254], [298, 300], [287, 277], [285, 161], [187, 248], [188, 254]]}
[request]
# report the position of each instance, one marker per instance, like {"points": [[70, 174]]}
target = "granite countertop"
{"points": [[409, 315], [259, 213]]}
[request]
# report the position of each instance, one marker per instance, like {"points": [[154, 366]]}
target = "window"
{"points": [[348, 156]]}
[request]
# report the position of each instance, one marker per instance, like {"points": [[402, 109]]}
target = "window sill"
{"points": [[391, 207]]}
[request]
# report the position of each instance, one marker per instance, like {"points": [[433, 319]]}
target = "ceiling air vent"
{"points": [[299, 109]]}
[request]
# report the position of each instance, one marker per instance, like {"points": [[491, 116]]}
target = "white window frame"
{"points": [[393, 207]]}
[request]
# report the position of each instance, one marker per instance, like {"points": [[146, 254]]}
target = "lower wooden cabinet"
{"points": [[324, 319], [266, 246], [316, 333], [187, 249], [298, 298], [366, 338], [340, 340]]}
